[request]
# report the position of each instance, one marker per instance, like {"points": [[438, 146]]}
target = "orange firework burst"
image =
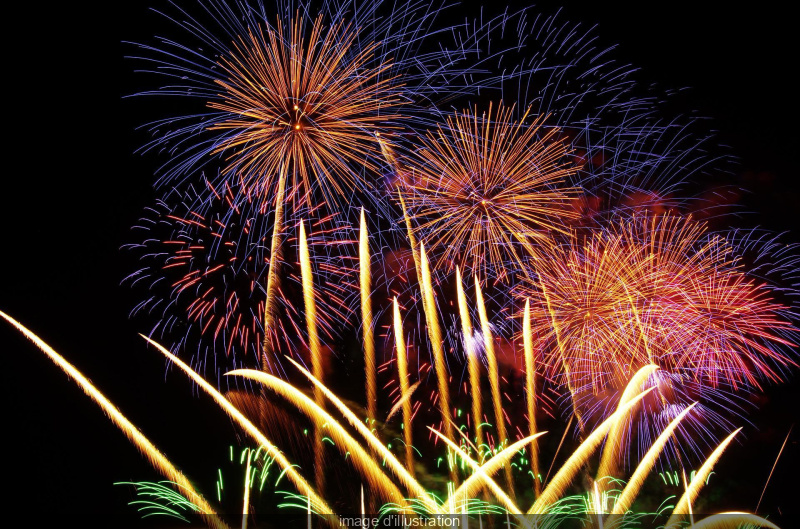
{"points": [[304, 104], [486, 190], [657, 289]]}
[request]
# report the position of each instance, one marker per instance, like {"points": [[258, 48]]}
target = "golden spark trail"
{"points": [[435, 336], [530, 388], [403, 398], [494, 378], [411, 239], [273, 278], [473, 363], [644, 467], [367, 465], [405, 391], [564, 363], [613, 447], [151, 453], [764, 490], [366, 321], [482, 473], [684, 504], [568, 470], [297, 480], [316, 353], [639, 324], [374, 443]]}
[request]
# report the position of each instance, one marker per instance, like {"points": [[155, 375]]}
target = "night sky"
{"points": [[73, 187]]}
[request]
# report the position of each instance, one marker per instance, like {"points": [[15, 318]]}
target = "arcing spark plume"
{"points": [[153, 455]]}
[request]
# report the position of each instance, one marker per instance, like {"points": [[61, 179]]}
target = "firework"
{"points": [[485, 190], [458, 498], [402, 375], [205, 277], [153, 455], [658, 289]]}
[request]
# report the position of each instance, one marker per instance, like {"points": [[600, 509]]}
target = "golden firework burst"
{"points": [[303, 103], [485, 190]]}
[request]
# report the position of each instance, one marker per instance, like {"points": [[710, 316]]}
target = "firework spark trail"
{"points": [[494, 379], [614, 447], [473, 363], [780, 452], [151, 453], [684, 504], [316, 353], [562, 353], [530, 393], [273, 275], [368, 340], [625, 499], [579, 457], [411, 239], [272, 451], [482, 475], [405, 390], [388, 459], [246, 499], [368, 466], [435, 336]]}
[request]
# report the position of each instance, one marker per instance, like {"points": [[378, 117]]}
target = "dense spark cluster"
{"points": [[390, 482], [485, 190], [301, 102], [658, 289]]}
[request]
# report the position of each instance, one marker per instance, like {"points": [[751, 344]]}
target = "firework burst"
{"points": [[300, 101], [485, 190], [658, 290], [205, 274]]}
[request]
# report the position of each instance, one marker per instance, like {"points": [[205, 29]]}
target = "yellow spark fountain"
{"points": [[273, 277], [316, 353], [472, 362], [530, 390], [366, 321], [435, 336], [405, 390], [494, 379]]}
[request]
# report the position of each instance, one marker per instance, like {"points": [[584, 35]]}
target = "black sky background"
{"points": [[72, 188]]}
